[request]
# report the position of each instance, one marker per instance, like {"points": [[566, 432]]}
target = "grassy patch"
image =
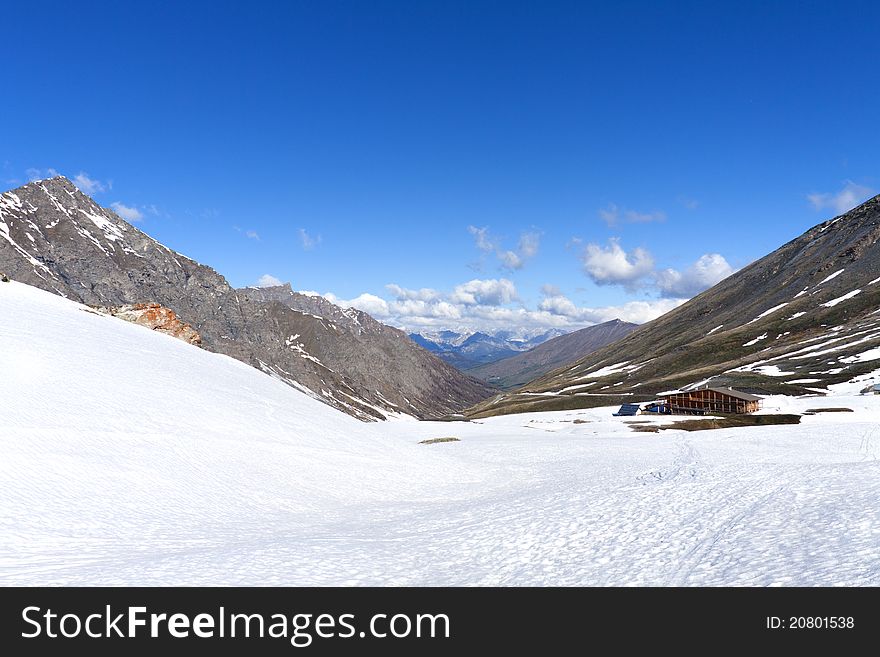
{"points": [[813, 411], [646, 428], [723, 422], [434, 441]]}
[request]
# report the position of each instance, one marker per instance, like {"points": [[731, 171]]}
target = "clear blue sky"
{"points": [[480, 152]]}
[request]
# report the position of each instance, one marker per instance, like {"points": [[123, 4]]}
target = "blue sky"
{"points": [[455, 164]]}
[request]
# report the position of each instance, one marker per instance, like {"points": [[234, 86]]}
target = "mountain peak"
{"points": [[283, 288], [59, 180]]}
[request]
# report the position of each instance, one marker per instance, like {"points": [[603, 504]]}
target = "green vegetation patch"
{"points": [[434, 441], [723, 422]]}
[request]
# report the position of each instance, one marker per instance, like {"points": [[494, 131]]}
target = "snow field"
{"points": [[132, 458]]}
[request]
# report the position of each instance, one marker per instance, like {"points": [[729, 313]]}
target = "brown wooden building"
{"points": [[711, 400]]}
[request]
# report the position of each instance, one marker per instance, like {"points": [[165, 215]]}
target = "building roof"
{"points": [[730, 392]]}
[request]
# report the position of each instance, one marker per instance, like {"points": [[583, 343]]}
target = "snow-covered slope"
{"points": [[129, 457], [119, 444]]}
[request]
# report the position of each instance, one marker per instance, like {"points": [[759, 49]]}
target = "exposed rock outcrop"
{"points": [[156, 317]]}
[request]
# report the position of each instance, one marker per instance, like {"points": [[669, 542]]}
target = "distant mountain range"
{"points": [[467, 351], [55, 237], [517, 370], [798, 320]]}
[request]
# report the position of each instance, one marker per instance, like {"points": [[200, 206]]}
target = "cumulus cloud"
{"points": [[475, 303], [128, 213], [309, 242], [614, 216], [846, 199], [370, 304], [637, 312], [493, 304], [708, 270], [89, 185], [510, 259], [268, 280], [422, 294], [491, 292], [612, 265]]}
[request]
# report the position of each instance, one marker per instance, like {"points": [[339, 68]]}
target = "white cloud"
{"points": [[491, 292], [613, 216], [637, 312], [708, 270], [846, 199], [370, 304], [493, 304], [309, 242], [423, 294], [612, 265], [528, 244], [128, 213], [512, 260], [33, 175], [89, 185], [426, 309], [267, 280], [250, 233], [482, 239]]}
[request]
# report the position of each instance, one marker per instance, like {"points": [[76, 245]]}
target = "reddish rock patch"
{"points": [[157, 318]]}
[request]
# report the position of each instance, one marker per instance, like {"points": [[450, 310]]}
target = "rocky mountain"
{"points": [[794, 322], [374, 355], [519, 369], [55, 237], [467, 351]]}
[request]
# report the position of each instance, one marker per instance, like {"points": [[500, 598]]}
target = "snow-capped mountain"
{"points": [[55, 237], [467, 351], [798, 320]]}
